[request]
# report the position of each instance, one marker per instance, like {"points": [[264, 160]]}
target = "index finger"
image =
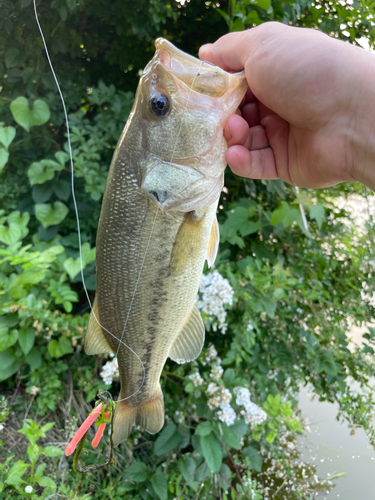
{"points": [[229, 52]]}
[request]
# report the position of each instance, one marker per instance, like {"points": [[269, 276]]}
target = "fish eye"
{"points": [[159, 104]]}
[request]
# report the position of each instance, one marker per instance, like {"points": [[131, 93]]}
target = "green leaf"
{"points": [[31, 276], [73, 267], [317, 212], [160, 485], [59, 348], [137, 472], [42, 171], [27, 117], [230, 438], [7, 134], [13, 57], [10, 234], [26, 339], [6, 373], [52, 451], [7, 358], [204, 428], [212, 452], [62, 189], [4, 157], [228, 376], [48, 215], [9, 320], [187, 467], [47, 482], [7, 339], [254, 457], [16, 472], [168, 439], [263, 4], [285, 215], [240, 428], [34, 359], [42, 192]]}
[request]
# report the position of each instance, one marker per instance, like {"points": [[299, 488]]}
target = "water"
{"points": [[331, 448]]}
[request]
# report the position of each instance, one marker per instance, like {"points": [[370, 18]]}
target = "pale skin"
{"points": [[308, 117]]}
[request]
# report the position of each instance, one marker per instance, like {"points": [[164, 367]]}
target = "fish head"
{"points": [[181, 108]]}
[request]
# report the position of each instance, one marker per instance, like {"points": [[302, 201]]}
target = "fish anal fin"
{"points": [[189, 342], [149, 415], [95, 342], [213, 244], [123, 421]]}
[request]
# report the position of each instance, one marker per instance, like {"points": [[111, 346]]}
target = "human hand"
{"points": [[308, 115]]}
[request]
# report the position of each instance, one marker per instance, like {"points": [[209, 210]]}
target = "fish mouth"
{"points": [[205, 77]]}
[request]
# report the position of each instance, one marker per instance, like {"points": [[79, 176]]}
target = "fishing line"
{"points": [[302, 210], [120, 341], [75, 201]]}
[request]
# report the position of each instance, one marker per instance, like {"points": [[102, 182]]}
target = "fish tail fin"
{"points": [[123, 421], [150, 415]]}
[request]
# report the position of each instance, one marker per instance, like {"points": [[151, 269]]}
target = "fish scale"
{"points": [[157, 227]]}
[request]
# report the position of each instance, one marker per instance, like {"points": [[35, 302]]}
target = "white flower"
{"points": [[216, 292], [196, 379], [252, 413], [226, 414], [220, 396], [211, 357], [216, 372], [34, 390], [29, 489], [110, 371], [1, 427]]}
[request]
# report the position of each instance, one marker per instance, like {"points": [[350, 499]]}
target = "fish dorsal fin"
{"points": [[190, 340], [213, 244], [95, 342]]}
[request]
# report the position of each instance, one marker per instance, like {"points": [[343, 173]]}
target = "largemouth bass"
{"points": [[158, 225]]}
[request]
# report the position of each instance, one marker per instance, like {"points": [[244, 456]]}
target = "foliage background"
{"points": [[298, 290]]}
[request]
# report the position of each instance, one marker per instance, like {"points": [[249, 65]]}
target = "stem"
{"points": [[192, 475], [229, 484], [202, 484], [234, 465]]}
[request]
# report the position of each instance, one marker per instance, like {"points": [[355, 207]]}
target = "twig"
{"points": [[220, 496], [234, 465], [222, 475], [187, 482], [16, 391], [202, 484], [28, 409]]}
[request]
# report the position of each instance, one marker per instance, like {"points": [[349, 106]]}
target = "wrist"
{"points": [[361, 135]]}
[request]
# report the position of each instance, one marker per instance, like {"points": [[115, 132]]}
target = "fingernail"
{"points": [[227, 133], [205, 47]]}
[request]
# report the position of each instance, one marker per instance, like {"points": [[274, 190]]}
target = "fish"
{"points": [[157, 227]]}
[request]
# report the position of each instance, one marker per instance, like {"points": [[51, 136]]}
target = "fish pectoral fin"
{"points": [[213, 244], [95, 342], [189, 342], [149, 414]]}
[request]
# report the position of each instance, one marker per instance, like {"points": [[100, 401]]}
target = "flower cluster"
{"points": [[216, 372], [211, 357], [226, 414], [220, 398], [252, 413], [196, 379], [110, 371], [216, 292]]}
